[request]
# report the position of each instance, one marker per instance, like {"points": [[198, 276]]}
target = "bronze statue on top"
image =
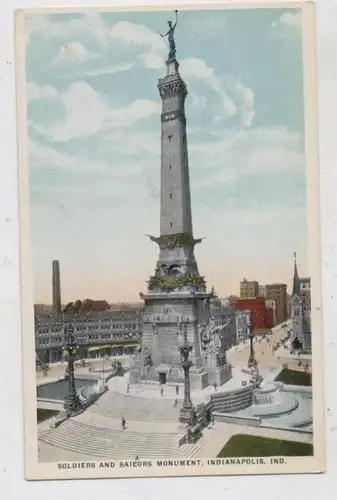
{"points": [[170, 36]]}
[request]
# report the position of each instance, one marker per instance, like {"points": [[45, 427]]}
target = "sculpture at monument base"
{"points": [[213, 366]]}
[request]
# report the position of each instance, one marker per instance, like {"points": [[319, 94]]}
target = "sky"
{"points": [[94, 147]]}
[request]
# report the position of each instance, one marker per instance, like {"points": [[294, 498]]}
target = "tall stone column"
{"points": [[56, 287], [176, 300]]}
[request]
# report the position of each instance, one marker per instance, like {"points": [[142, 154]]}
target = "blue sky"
{"points": [[94, 152]]}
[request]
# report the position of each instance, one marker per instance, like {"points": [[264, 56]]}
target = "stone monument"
{"points": [[176, 302]]}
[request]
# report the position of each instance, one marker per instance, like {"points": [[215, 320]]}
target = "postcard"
{"points": [[170, 243]]}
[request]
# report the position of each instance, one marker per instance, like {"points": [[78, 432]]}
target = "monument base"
{"points": [[220, 375], [185, 414], [199, 377]]}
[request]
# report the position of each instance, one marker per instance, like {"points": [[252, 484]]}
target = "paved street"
{"points": [[267, 359]]}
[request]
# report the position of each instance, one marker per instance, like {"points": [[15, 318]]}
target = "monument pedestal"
{"points": [[198, 379], [223, 374], [185, 415]]}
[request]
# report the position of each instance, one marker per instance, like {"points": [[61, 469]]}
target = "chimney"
{"points": [[56, 287]]}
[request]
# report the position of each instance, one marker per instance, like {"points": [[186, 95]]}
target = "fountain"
{"points": [[267, 394]]}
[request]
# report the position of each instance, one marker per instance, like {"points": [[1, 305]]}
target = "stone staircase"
{"points": [[191, 451], [116, 405], [102, 443]]}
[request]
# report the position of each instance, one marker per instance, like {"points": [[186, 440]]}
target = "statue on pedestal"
{"points": [[211, 338], [170, 36]]}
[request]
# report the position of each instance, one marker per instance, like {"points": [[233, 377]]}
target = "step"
{"points": [[107, 443], [191, 451]]}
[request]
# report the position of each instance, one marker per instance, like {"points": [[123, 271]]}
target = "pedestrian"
{"points": [[161, 390], [128, 388], [177, 390], [123, 423], [215, 385], [175, 404]]}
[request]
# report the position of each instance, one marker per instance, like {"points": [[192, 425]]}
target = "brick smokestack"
{"points": [[56, 287]]}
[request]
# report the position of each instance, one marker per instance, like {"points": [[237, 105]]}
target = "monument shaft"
{"points": [[177, 303]]}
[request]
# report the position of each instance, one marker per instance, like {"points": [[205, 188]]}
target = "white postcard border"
{"points": [[36, 470]]}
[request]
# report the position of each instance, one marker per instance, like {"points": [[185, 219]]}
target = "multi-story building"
{"points": [[96, 333], [262, 291], [271, 304], [242, 318], [248, 289], [278, 293], [288, 305], [98, 330], [301, 312], [260, 314]]}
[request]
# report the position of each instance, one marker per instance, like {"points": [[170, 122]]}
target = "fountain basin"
{"points": [[58, 390]]}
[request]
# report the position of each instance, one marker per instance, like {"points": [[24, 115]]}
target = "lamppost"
{"points": [[185, 349], [251, 361], [72, 403]]}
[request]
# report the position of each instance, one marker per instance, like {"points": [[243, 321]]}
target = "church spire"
{"points": [[296, 279]]}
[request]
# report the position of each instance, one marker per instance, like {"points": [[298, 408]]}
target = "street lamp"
{"points": [[72, 403], [186, 364], [251, 361]]}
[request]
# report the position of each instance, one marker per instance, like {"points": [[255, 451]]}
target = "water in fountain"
{"points": [[267, 394]]}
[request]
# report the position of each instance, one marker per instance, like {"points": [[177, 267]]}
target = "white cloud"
{"points": [[153, 46], [152, 59], [45, 157], [246, 100], [234, 96], [90, 23], [199, 101], [70, 53], [294, 20], [35, 92], [258, 150], [197, 68], [138, 34], [137, 143], [134, 112], [107, 70], [288, 28], [146, 45], [86, 114]]}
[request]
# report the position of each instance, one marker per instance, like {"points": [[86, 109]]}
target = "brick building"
{"points": [[262, 316]]}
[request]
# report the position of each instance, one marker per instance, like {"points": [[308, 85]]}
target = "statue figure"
{"points": [[212, 337], [170, 36]]}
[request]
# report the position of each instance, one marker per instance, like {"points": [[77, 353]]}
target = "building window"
{"points": [[170, 137], [170, 167], [170, 224], [170, 195]]}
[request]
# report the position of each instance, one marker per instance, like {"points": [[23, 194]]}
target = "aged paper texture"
{"points": [[170, 244]]}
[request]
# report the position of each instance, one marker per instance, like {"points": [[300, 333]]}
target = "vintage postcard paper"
{"points": [[170, 241]]}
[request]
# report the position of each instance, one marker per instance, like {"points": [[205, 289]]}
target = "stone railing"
{"points": [[299, 389], [235, 419], [226, 402]]}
